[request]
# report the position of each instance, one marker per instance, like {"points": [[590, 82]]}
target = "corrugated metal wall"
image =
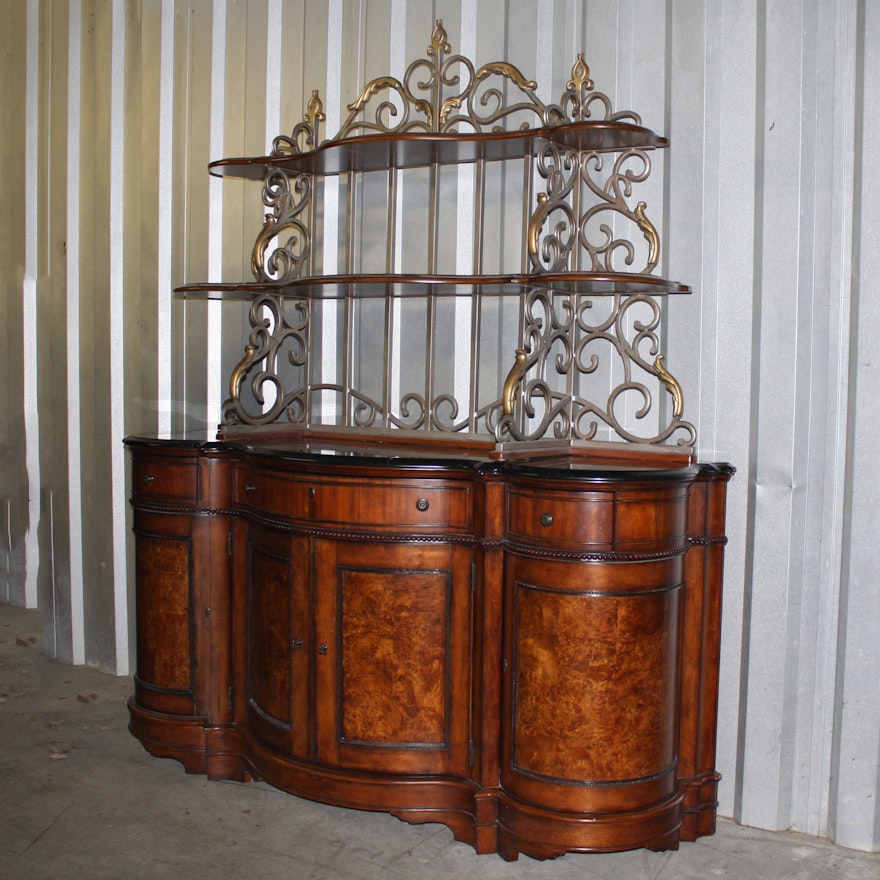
{"points": [[111, 110]]}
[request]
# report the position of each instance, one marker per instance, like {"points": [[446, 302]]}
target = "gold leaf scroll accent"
{"points": [[503, 68], [508, 392], [672, 386], [649, 231], [239, 371], [536, 222]]}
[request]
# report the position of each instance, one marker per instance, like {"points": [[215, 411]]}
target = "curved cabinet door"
{"points": [[392, 656], [591, 683], [278, 639], [165, 680]]}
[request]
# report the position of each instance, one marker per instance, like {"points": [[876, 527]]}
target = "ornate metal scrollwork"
{"points": [[304, 136], [288, 196], [564, 343], [582, 368], [443, 93], [278, 344], [579, 101], [566, 171]]}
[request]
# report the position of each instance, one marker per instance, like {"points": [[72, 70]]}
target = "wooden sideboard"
{"points": [[524, 650], [451, 556]]}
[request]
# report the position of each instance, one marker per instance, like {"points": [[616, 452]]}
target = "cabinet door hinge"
{"points": [[470, 754], [229, 543], [229, 696], [473, 577]]}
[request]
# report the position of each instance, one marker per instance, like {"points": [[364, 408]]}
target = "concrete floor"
{"points": [[79, 797]]}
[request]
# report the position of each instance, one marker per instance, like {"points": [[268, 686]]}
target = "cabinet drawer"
{"points": [[387, 505], [649, 519], [397, 505], [556, 519], [272, 494], [164, 479]]}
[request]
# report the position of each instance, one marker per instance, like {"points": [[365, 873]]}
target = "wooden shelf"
{"points": [[380, 286], [420, 149]]}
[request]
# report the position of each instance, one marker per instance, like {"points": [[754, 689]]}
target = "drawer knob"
{"points": [[147, 479], [250, 487], [311, 492], [296, 644], [422, 504], [546, 519], [322, 649]]}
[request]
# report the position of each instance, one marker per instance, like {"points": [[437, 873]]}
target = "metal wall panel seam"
{"points": [[465, 231], [332, 108], [274, 18], [779, 513], [117, 355], [833, 192], [165, 183], [854, 814], [74, 426], [215, 210], [397, 60], [807, 443], [753, 396], [29, 306], [845, 181]]}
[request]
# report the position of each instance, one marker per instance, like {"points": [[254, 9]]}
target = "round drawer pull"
{"points": [[322, 649], [311, 492], [147, 479], [546, 519], [250, 487], [422, 504]]}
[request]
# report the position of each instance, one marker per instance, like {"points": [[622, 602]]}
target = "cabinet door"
{"points": [[590, 686], [165, 680], [393, 639], [278, 640]]}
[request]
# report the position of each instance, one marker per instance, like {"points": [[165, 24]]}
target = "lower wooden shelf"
{"points": [[525, 652]]}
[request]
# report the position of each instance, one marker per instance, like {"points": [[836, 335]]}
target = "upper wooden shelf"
{"points": [[419, 149], [378, 286]]}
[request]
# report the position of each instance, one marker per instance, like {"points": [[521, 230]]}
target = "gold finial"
{"points": [[439, 45], [314, 110], [580, 74]]}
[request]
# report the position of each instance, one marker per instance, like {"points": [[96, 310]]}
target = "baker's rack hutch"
{"points": [[451, 555]]}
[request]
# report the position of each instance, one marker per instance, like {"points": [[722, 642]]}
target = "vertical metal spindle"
{"points": [[314, 313], [525, 295], [475, 301], [431, 329], [349, 302], [390, 301]]}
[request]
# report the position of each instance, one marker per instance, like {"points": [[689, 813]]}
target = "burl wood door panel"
{"points": [[591, 682], [165, 675], [393, 634], [278, 640]]}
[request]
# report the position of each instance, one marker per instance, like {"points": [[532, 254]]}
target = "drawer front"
{"points": [[561, 519], [387, 505], [652, 519], [165, 479], [272, 494]]}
